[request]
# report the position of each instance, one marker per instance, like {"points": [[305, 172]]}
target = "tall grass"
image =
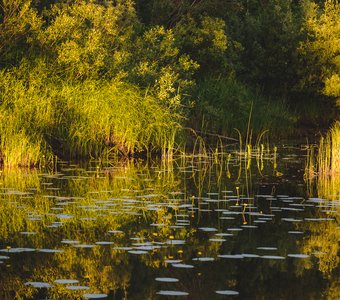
{"points": [[43, 116], [323, 169], [26, 114], [329, 163], [224, 104], [104, 117]]}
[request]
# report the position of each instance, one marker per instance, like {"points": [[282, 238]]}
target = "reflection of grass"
{"points": [[107, 193]]}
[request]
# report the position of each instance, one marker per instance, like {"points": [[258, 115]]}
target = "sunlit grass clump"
{"points": [[103, 117], [329, 163], [42, 117], [26, 116]]}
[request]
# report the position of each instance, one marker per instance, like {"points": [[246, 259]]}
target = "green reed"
{"points": [[328, 161], [323, 164], [41, 117]]}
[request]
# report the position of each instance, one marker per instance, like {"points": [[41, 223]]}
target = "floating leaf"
{"points": [[39, 285], [184, 266], [77, 287], [94, 296], [227, 292], [298, 255], [172, 293], [166, 279], [66, 281]]}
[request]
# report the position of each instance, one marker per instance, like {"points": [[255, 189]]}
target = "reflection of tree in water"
{"points": [[130, 198], [323, 240]]}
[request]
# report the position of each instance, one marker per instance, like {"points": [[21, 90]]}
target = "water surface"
{"points": [[201, 227]]}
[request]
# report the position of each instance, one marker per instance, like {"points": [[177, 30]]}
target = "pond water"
{"points": [[219, 226]]}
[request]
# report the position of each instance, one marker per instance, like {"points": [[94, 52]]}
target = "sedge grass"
{"points": [[329, 164], [43, 116], [323, 165]]}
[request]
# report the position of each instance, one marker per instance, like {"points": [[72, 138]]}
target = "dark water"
{"points": [[203, 227]]}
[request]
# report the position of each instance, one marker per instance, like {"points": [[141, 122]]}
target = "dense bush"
{"points": [[90, 78]]}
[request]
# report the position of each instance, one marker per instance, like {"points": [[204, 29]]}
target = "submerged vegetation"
{"points": [[98, 78]]}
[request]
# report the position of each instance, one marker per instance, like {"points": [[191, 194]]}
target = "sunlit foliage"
{"points": [[167, 64], [321, 48]]}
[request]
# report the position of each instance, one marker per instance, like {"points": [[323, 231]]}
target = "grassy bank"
{"points": [[99, 78], [42, 118]]}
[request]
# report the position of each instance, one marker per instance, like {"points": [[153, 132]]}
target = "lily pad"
{"points": [[172, 293], [77, 287], [66, 281], [184, 266], [227, 292], [38, 284], [272, 257], [94, 296], [166, 279], [298, 255]]}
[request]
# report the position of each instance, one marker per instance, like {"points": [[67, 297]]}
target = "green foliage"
{"points": [[269, 36], [320, 50], [205, 41], [224, 104], [159, 64], [90, 40], [19, 27], [26, 112], [89, 77], [91, 118], [113, 116]]}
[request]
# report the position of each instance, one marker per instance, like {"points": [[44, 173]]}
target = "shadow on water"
{"points": [[234, 223]]}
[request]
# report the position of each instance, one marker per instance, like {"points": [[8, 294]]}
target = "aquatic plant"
{"points": [[328, 161], [323, 164]]}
